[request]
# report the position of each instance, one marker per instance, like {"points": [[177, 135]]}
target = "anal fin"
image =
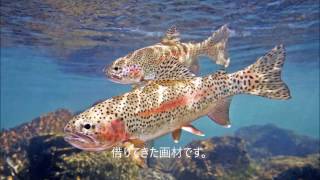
{"points": [[191, 129], [176, 134], [220, 112]]}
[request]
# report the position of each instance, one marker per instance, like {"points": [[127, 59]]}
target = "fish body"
{"points": [[145, 63], [165, 106]]}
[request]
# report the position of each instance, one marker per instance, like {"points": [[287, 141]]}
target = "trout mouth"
{"points": [[114, 77], [120, 79], [78, 137], [85, 142]]}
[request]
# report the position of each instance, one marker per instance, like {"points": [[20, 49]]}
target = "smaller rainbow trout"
{"points": [[169, 106], [146, 63]]}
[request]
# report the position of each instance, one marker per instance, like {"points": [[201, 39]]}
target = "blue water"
{"points": [[52, 54]]}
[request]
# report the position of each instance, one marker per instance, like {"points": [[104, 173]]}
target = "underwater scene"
{"points": [[160, 89]]}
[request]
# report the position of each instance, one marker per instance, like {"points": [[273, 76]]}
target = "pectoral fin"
{"points": [[171, 37], [172, 69], [220, 113], [137, 143], [135, 86], [140, 84], [135, 154], [176, 134], [194, 68], [193, 130]]}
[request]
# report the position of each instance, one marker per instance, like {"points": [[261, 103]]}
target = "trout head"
{"points": [[124, 71], [94, 130]]}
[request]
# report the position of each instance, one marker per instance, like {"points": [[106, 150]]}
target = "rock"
{"points": [[44, 152], [14, 142], [224, 156], [264, 141], [52, 158], [51, 123], [155, 174], [306, 173], [37, 150], [290, 167]]}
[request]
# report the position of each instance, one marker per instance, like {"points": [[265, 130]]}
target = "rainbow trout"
{"points": [[145, 64], [169, 106]]}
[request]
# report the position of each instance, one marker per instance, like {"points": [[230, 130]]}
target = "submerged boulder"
{"points": [[306, 173], [155, 174], [37, 150], [264, 141], [52, 158], [51, 123], [15, 141], [227, 158], [223, 156], [291, 167]]}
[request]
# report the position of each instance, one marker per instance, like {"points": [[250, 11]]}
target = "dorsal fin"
{"points": [[171, 37], [172, 69], [220, 112], [216, 46]]}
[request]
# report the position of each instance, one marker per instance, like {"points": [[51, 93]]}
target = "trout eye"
{"points": [[87, 126], [116, 68]]}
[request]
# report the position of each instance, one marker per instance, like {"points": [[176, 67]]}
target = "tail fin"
{"points": [[215, 46], [263, 78]]}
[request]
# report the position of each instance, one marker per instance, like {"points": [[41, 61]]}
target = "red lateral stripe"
{"points": [[181, 101], [169, 105]]}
